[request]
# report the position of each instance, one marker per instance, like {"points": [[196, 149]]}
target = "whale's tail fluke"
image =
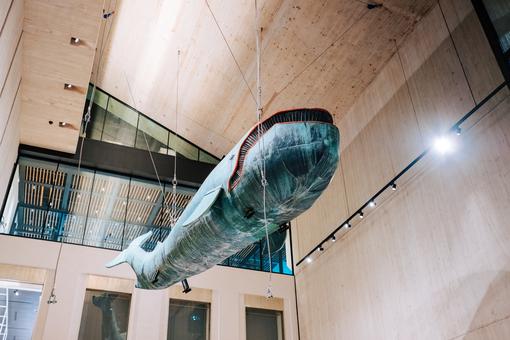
{"points": [[127, 254]]}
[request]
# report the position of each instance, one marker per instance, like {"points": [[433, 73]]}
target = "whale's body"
{"points": [[301, 149]]}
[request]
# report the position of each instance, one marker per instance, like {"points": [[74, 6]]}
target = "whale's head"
{"points": [[299, 150]]}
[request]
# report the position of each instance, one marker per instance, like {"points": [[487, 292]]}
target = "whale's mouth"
{"points": [[282, 117]]}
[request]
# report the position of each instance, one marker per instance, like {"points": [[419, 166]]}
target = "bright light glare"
{"points": [[308, 260], [443, 145]]}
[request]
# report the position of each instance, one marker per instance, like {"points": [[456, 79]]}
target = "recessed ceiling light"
{"points": [[75, 41], [62, 124], [68, 86]]}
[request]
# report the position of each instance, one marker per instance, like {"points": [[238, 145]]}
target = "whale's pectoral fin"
{"points": [[205, 204], [132, 249], [116, 261]]}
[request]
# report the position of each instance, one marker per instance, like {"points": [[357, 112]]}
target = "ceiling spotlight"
{"points": [[321, 248], [361, 215], [371, 204], [68, 86], [333, 238], [443, 145], [458, 130], [393, 186], [74, 41], [347, 225], [16, 292], [62, 124], [308, 259]]}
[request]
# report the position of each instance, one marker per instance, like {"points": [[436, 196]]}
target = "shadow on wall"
{"points": [[477, 298], [492, 318]]}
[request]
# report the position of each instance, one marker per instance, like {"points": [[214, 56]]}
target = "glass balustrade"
{"points": [[51, 201], [113, 121]]}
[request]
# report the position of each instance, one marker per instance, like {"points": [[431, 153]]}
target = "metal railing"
{"points": [[52, 201]]}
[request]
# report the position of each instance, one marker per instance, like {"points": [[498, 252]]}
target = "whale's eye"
{"points": [[248, 212]]}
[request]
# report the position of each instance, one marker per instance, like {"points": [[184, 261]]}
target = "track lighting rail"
{"points": [[392, 184]]}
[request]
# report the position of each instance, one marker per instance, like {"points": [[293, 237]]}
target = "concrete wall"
{"points": [[432, 260], [227, 289], [11, 24]]}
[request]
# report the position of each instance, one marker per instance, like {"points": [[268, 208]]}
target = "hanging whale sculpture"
{"points": [[301, 152]]}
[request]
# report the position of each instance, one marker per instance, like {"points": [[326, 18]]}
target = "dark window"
{"points": [[188, 320], [262, 324], [105, 315]]}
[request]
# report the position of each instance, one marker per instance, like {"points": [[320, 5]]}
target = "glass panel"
{"points": [[256, 257], [207, 158], [183, 147], [106, 212], [188, 320], [95, 126], [264, 324], [78, 195], [499, 12], [40, 194], [120, 124], [143, 206], [105, 315], [100, 98], [157, 136], [8, 215], [19, 303]]}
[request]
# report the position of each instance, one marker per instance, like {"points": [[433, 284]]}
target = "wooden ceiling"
{"points": [[49, 62], [315, 54]]}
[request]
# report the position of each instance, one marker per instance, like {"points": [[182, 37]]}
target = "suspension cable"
{"points": [[262, 152], [174, 181], [105, 15]]}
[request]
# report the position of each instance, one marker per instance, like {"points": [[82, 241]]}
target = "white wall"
{"points": [[149, 309]]}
